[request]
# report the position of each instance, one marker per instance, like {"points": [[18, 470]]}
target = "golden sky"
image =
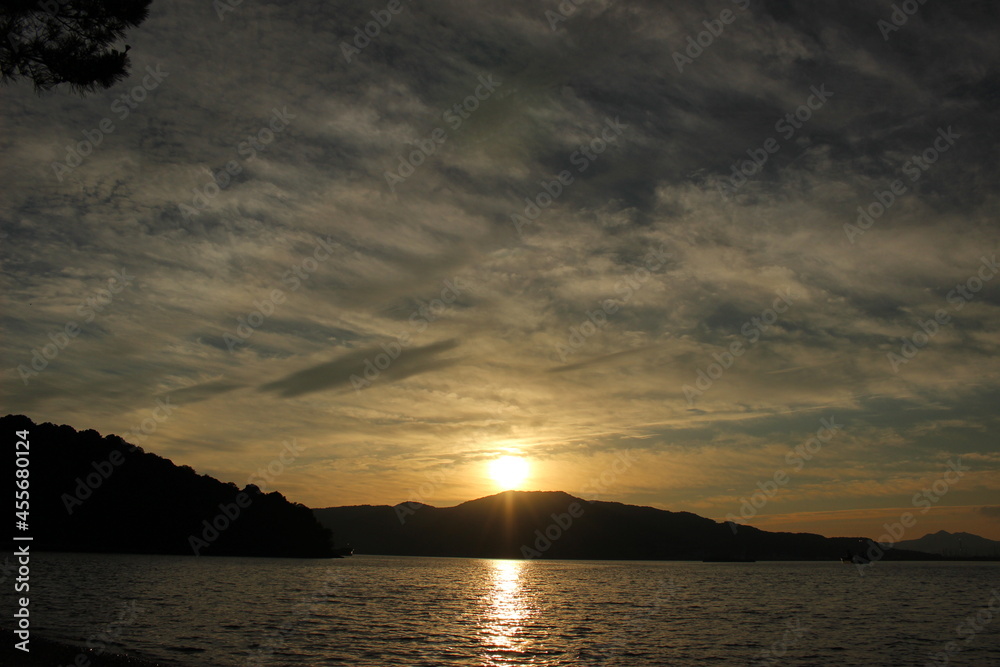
{"points": [[487, 234]]}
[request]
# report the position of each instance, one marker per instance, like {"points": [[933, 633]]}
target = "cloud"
{"points": [[364, 367], [607, 358], [993, 512], [201, 392], [309, 250]]}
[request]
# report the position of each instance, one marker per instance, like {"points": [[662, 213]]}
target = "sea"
{"points": [[389, 610]]}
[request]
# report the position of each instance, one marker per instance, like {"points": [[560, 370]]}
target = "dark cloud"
{"points": [[363, 366], [248, 263], [201, 392], [603, 359]]}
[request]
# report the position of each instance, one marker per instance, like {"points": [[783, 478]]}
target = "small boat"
{"points": [[343, 552]]}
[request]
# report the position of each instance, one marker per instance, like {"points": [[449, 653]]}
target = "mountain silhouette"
{"points": [[944, 543], [554, 524], [88, 493], [103, 494]]}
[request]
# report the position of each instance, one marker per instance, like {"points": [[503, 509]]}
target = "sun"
{"points": [[509, 472]]}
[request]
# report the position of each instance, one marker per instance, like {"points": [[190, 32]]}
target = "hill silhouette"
{"points": [[944, 543], [554, 524], [89, 493]]}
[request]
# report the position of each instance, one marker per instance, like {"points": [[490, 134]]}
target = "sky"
{"points": [[671, 254]]}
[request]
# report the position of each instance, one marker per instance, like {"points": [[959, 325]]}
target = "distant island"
{"points": [[102, 494], [553, 524]]}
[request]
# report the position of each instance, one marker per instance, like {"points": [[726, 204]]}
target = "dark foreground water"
{"points": [[384, 611]]}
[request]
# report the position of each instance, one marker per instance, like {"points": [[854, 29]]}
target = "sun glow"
{"points": [[509, 472]]}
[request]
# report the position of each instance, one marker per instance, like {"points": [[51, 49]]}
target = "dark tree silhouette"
{"points": [[67, 41], [94, 494]]}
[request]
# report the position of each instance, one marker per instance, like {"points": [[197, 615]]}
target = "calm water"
{"points": [[384, 611]]}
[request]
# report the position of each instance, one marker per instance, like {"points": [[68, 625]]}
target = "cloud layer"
{"points": [[417, 253]]}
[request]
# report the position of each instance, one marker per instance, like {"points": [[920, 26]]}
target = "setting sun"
{"points": [[509, 471]]}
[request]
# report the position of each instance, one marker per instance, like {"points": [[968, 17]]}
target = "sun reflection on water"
{"points": [[506, 610]]}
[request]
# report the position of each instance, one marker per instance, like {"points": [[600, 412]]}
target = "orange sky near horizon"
{"points": [[871, 522]]}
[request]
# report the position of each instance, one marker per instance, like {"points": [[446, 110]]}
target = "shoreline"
{"points": [[46, 652]]}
